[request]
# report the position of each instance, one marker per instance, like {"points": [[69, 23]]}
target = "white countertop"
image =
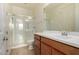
{"points": [[72, 40]]}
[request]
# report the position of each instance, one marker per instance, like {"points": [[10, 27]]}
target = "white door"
{"points": [[2, 29]]}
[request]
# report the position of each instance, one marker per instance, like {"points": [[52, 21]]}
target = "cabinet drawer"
{"points": [[37, 43], [65, 49], [37, 37]]}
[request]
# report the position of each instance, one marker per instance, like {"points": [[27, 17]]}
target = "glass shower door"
{"points": [[19, 31], [22, 31]]}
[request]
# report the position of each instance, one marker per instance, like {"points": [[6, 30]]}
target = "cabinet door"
{"points": [[37, 45], [55, 52], [45, 49], [37, 50]]}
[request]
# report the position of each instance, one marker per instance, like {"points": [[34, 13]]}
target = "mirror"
{"points": [[62, 16]]}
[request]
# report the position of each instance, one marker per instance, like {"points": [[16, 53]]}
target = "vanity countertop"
{"points": [[72, 40]]}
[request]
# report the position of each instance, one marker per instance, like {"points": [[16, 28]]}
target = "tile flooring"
{"points": [[22, 51]]}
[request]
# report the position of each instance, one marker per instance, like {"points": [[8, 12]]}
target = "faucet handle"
{"points": [[64, 33]]}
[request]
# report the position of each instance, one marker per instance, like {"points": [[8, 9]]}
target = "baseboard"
{"points": [[19, 46]]}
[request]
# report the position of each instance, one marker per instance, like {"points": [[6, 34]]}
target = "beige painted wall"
{"points": [[39, 21], [61, 17], [19, 10], [77, 17]]}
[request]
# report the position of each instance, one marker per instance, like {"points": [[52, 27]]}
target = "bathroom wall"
{"points": [[3, 43], [17, 10], [77, 17], [39, 21], [60, 17]]}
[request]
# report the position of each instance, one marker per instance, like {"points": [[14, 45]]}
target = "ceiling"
{"points": [[55, 5], [36, 5], [28, 5]]}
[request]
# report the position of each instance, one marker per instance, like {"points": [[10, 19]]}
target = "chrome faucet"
{"points": [[64, 33]]}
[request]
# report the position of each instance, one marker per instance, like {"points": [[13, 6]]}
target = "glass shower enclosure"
{"points": [[20, 31]]}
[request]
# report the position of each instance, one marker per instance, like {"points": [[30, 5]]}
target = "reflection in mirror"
{"points": [[62, 16], [11, 25]]}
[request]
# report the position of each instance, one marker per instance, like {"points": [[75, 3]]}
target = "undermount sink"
{"points": [[67, 37], [74, 37], [63, 37], [58, 34]]}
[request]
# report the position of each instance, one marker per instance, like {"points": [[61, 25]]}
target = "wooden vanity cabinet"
{"points": [[49, 49], [46, 46]]}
